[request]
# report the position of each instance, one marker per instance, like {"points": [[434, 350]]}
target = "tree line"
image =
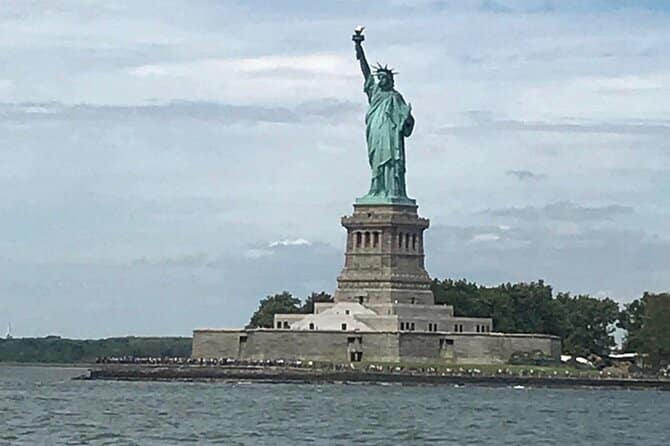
{"points": [[585, 324], [54, 349]]}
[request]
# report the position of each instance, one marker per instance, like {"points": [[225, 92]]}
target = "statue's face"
{"points": [[385, 81]]}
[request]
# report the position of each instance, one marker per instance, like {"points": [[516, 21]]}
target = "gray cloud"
{"points": [[603, 261], [616, 128], [485, 120], [493, 6], [224, 114], [563, 211], [534, 6], [198, 290], [524, 175]]}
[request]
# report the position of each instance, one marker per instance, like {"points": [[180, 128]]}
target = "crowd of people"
{"points": [[369, 368], [168, 360]]}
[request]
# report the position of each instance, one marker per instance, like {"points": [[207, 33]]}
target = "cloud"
{"points": [[287, 242], [485, 237], [311, 64], [138, 298], [226, 114], [493, 6], [236, 79], [523, 175], [623, 261], [485, 121], [256, 253], [572, 7], [563, 211]]}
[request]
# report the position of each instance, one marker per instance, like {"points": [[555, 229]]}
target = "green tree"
{"points": [[532, 308], [656, 328], [647, 321], [464, 296], [55, 349], [631, 319], [283, 302], [515, 308], [308, 306], [590, 324], [503, 311]]}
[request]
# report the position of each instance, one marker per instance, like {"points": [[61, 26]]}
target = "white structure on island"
{"points": [[348, 316]]}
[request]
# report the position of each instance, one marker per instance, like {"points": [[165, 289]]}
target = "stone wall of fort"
{"points": [[216, 343], [391, 346], [498, 347], [475, 348]]}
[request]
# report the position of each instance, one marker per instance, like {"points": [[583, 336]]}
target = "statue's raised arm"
{"points": [[358, 39]]}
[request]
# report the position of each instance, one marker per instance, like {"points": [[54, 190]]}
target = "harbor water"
{"points": [[44, 406]]}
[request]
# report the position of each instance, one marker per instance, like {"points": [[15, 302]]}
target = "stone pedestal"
{"points": [[384, 260]]}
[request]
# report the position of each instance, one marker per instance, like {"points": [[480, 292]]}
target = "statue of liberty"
{"points": [[388, 122]]}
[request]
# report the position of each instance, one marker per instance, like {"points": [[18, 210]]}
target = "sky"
{"points": [[166, 164]]}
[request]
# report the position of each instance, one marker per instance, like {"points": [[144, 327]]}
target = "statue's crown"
{"points": [[379, 69]]}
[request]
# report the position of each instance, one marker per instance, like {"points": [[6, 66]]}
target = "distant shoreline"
{"points": [[306, 375], [76, 365]]}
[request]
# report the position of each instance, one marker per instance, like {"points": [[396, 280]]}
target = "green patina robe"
{"points": [[388, 121]]}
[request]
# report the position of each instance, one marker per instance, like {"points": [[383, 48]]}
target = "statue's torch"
{"points": [[358, 38]]}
